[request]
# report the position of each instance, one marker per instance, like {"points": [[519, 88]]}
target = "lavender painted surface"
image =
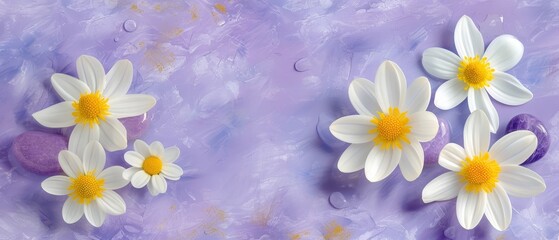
{"points": [[245, 120], [434, 147], [528, 122]]}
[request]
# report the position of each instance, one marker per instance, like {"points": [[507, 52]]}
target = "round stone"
{"points": [[338, 200], [37, 152], [533, 124], [434, 147], [135, 126]]}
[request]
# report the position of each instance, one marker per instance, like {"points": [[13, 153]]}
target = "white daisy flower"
{"points": [[88, 186], [481, 176], [94, 103], [151, 165], [477, 71], [392, 121]]}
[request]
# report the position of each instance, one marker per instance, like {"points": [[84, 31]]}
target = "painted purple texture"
{"points": [[37, 152], [528, 122], [434, 147], [135, 126], [246, 120]]}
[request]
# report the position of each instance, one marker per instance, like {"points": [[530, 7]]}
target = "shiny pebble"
{"points": [[533, 124], [434, 147], [37, 152], [338, 200]]}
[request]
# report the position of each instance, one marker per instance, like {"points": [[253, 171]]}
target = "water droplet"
{"points": [[129, 25], [116, 39], [302, 65], [337, 200], [450, 232]]}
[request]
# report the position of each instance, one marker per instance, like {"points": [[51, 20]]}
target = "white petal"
{"points": [[380, 163], [142, 148], [56, 185], [411, 163], [152, 189], [119, 79], [112, 134], [94, 214], [506, 89], [130, 105], [81, 135], [441, 63], [362, 96], [442, 188], [450, 94], [70, 163], [158, 183], [72, 211], [129, 172], [56, 116], [68, 87], [353, 129], [91, 71], [94, 157], [171, 154], [424, 126], [418, 95], [156, 149], [504, 52], [113, 177], [171, 171], [476, 134], [451, 157], [514, 148], [520, 181], [467, 38], [390, 88], [112, 203], [133, 158], [479, 100], [354, 157], [140, 179], [498, 210], [470, 207]]}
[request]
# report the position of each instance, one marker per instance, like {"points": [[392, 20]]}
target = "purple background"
{"points": [[246, 121]]}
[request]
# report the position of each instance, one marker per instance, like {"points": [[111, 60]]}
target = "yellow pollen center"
{"points": [[391, 128], [480, 173], [86, 187], [90, 108], [476, 72], [152, 165]]}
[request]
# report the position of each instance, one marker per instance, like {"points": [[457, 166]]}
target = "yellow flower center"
{"points": [[90, 108], [86, 187], [480, 173], [476, 72], [152, 165], [392, 129]]}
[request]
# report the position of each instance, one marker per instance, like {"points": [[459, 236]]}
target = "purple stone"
{"points": [[528, 122], [37, 152], [434, 147], [135, 126]]}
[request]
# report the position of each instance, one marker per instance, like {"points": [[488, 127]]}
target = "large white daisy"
{"points": [[477, 71], [392, 121], [94, 103], [88, 186], [481, 176], [151, 165]]}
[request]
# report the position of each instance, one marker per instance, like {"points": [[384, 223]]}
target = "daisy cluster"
{"points": [[93, 104], [393, 119]]}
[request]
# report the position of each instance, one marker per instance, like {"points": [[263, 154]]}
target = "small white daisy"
{"points": [[477, 71], [88, 186], [480, 177], [94, 103], [392, 122], [151, 165]]}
